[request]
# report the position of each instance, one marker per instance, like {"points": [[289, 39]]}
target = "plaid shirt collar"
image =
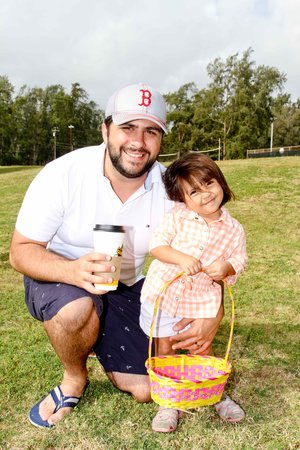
{"points": [[188, 214]]}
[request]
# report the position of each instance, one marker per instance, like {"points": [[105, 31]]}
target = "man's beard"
{"points": [[116, 159]]}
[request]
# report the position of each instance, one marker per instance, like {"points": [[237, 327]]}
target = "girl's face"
{"points": [[205, 199]]}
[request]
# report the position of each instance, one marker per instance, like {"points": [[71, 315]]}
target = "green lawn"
{"points": [[265, 352]]}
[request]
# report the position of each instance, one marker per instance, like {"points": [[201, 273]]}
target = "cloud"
{"points": [[104, 45]]}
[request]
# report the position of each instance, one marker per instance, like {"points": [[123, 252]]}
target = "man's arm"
{"points": [[33, 259]]}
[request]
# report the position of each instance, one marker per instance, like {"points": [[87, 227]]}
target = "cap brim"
{"points": [[121, 118]]}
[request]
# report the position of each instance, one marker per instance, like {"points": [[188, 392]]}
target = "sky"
{"points": [[105, 45]]}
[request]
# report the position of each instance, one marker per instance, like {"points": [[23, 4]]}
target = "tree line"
{"points": [[235, 111], [38, 125]]}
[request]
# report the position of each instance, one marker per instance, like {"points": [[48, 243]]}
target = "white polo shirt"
{"points": [[71, 194]]}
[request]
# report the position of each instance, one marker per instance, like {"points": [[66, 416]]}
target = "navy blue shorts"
{"points": [[122, 346], [44, 299]]}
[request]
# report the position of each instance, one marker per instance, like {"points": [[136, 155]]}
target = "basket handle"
{"points": [[156, 305], [232, 322]]}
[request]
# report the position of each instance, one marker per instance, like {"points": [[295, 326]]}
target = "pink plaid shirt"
{"points": [[188, 232]]}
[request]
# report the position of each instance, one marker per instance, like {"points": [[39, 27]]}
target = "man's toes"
{"points": [[46, 408], [55, 418]]}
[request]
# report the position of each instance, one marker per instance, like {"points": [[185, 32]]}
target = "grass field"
{"points": [[265, 352]]}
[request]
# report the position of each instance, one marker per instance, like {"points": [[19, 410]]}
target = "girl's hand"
{"points": [[218, 269], [189, 264]]}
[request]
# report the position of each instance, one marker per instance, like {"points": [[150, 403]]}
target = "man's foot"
{"points": [[166, 420], [229, 410], [51, 409]]}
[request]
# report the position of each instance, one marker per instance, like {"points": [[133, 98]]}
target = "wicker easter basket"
{"points": [[187, 381]]}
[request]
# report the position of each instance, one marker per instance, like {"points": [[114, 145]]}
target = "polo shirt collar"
{"points": [[154, 176]]}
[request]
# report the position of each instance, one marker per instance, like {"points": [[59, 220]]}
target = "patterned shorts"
{"points": [[44, 299], [122, 346]]}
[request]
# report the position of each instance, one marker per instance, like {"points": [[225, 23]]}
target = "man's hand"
{"points": [[90, 269], [34, 260], [198, 338]]}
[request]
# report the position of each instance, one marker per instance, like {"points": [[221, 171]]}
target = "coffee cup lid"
{"points": [[109, 228]]}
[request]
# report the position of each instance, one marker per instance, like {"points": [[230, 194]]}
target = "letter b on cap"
{"points": [[146, 98]]}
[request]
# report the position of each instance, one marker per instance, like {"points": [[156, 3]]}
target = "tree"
{"points": [[179, 117], [286, 123], [236, 107], [86, 117], [244, 99], [38, 112], [7, 124]]}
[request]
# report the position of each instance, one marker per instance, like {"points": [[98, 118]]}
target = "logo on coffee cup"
{"points": [[119, 250]]}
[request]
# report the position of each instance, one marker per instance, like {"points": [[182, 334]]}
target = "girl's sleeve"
{"points": [[237, 255], [165, 232]]}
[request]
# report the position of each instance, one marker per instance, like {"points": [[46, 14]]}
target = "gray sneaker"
{"points": [[229, 410], [166, 420]]}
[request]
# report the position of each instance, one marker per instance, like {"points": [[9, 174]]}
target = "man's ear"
{"points": [[104, 131]]}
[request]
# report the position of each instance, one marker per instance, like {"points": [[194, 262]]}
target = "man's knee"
{"points": [[76, 315], [141, 394], [136, 385]]}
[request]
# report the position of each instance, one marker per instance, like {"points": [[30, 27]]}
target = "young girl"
{"points": [[200, 238]]}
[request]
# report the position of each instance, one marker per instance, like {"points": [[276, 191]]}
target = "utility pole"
{"points": [[54, 131], [71, 137], [271, 138]]}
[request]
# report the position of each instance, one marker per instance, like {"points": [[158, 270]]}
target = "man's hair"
{"points": [[195, 169], [108, 121]]}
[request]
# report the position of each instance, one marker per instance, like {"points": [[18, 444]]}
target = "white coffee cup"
{"points": [[109, 240]]}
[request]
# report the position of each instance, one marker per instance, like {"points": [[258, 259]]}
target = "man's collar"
{"points": [[154, 175]]}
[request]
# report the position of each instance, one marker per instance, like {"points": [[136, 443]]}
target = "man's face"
{"points": [[133, 147]]}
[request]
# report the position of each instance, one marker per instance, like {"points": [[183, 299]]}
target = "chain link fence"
{"points": [[275, 151]]}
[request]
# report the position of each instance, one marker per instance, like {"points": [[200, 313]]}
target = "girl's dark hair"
{"points": [[195, 169]]}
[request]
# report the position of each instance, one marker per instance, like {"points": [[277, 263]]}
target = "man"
{"points": [[118, 182]]}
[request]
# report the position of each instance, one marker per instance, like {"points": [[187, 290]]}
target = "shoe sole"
{"points": [[161, 430], [39, 426]]}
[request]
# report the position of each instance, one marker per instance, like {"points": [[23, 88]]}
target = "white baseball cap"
{"points": [[137, 101]]}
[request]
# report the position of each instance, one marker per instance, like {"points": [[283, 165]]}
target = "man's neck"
{"points": [[123, 187]]}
